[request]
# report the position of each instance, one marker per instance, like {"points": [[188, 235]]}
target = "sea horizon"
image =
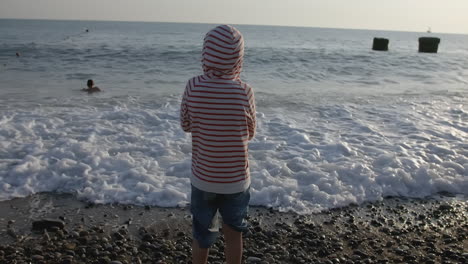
{"points": [[239, 24]]}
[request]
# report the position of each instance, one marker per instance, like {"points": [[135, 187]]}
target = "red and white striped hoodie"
{"points": [[219, 110]]}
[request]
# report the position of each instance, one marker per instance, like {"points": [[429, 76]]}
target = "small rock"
{"points": [[81, 250], [147, 237], [54, 229], [67, 261], [104, 260], [37, 257], [253, 260], [37, 250], [70, 246], [12, 232], [83, 240], [118, 236], [60, 233], [46, 236], [445, 207], [93, 252]]}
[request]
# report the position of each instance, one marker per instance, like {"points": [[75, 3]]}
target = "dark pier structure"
{"points": [[380, 44], [429, 44]]}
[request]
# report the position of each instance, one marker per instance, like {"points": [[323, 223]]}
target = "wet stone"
{"points": [[104, 260], [37, 257], [253, 260], [70, 246], [118, 236], [69, 252]]}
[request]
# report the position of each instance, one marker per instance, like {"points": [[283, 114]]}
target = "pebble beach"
{"points": [[59, 228]]}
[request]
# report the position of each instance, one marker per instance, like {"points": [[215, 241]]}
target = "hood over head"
{"points": [[223, 53]]}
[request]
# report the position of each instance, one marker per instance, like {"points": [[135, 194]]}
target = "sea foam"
{"points": [[132, 150]]}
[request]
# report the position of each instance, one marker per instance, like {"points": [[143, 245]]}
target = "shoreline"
{"points": [[395, 230]]}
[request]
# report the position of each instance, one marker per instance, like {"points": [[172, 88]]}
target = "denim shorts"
{"points": [[233, 209]]}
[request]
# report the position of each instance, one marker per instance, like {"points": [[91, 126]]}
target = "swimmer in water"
{"points": [[91, 88]]}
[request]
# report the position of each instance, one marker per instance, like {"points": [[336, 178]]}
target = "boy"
{"points": [[219, 110], [91, 88]]}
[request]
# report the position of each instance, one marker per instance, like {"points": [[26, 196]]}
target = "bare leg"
{"points": [[234, 245], [199, 255]]}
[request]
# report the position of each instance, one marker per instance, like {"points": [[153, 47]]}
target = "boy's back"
{"points": [[219, 110]]}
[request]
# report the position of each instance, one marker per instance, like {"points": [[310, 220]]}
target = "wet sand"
{"points": [[395, 230]]}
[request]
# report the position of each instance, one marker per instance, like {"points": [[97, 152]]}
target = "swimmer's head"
{"points": [[90, 83]]}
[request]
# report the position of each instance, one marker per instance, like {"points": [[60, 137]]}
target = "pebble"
{"points": [[69, 252], [118, 236], [70, 246], [253, 260], [104, 260], [37, 257], [12, 232]]}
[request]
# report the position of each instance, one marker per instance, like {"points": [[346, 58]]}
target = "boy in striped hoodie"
{"points": [[218, 109]]}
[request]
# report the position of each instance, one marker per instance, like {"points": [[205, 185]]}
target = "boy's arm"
{"points": [[252, 120], [185, 121]]}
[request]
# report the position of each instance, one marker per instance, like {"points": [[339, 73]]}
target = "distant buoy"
{"points": [[429, 44], [380, 44]]}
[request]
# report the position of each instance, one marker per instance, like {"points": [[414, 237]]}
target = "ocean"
{"points": [[338, 123]]}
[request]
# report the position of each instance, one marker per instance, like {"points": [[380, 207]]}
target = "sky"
{"points": [[449, 16]]}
